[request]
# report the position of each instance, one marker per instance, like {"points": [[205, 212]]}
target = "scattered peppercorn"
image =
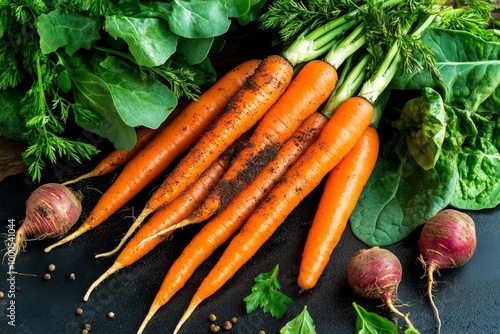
{"points": [[79, 311], [85, 331], [234, 320], [262, 332], [111, 315], [72, 276], [214, 328], [1, 294], [52, 267], [87, 327], [212, 317], [47, 277], [228, 325]]}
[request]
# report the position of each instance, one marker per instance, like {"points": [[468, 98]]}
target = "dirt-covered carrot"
{"points": [[222, 226], [246, 108], [310, 88], [176, 138], [337, 138], [342, 189], [166, 216]]}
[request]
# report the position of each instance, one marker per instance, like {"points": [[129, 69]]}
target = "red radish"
{"points": [[375, 273], [447, 240], [51, 210]]}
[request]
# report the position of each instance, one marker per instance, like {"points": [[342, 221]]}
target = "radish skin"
{"points": [[51, 210], [375, 273], [447, 240]]}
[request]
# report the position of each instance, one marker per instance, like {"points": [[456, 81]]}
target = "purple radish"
{"points": [[51, 210], [447, 240], [375, 273]]}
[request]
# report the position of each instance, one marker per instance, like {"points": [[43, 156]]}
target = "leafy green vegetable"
{"points": [[72, 31], [372, 323], [106, 66], [421, 170], [423, 120], [301, 324], [266, 294]]}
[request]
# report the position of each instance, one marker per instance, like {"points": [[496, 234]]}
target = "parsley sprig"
{"points": [[266, 294]]}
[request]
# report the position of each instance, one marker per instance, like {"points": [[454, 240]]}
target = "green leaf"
{"points": [[70, 30], [478, 164], [372, 323], [195, 50], [193, 19], [422, 119], [301, 324], [149, 39], [388, 212], [469, 67], [93, 94], [266, 294], [139, 102]]}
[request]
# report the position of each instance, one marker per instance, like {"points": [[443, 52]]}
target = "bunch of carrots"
{"points": [[253, 146]]}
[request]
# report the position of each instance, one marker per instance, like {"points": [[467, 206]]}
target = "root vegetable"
{"points": [[51, 210], [447, 240], [375, 273]]}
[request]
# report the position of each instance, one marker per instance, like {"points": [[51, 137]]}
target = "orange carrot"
{"points": [[310, 88], [166, 216], [343, 187], [182, 133], [117, 158], [250, 103], [222, 226], [338, 137]]}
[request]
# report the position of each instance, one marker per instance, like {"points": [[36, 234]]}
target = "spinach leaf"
{"points": [[139, 102], [301, 324], [150, 40], [423, 121], [72, 31], [195, 50], [400, 195], [478, 163], [372, 323], [469, 67], [93, 93], [198, 19]]}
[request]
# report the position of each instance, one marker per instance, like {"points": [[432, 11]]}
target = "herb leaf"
{"points": [[266, 294], [301, 324], [372, 323]]}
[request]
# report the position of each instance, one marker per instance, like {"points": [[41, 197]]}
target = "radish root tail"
{"points": [[430, 285], [390, 304]]}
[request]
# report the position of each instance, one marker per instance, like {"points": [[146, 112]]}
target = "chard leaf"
{"points": [[479, 167], [387, 212], [469, 67], [423, 121], [137, 101], [150, 40], [93, 94], [69, 30]]}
